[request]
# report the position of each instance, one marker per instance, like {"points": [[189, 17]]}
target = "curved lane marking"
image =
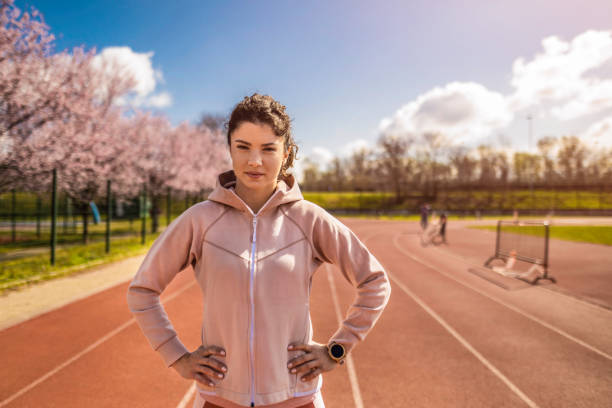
{"points": [[460, 338], [187, 397], [349, 359], [85, 351], [546, 288], [501, 302], [465, 343]]}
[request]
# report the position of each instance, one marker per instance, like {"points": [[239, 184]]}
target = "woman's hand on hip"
{"points": [[315, 361], [201, 366]]}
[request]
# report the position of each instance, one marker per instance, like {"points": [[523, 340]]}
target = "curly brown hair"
{"points": [[263, 109]]}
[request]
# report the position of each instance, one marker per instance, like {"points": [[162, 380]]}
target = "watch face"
{"points": [[337, 351]]}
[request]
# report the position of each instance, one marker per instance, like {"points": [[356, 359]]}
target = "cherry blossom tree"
{"points": [[185, 158], [35, 86], [60, 111]]}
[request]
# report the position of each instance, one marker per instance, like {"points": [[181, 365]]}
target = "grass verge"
{"points": [[28, 238], [467, 200], [23, 271], [593, 234]]}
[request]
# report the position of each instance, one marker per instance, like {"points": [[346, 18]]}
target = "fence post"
{"points": [[546, 251], [38, 210], [168, 205], [53, 217], [143, 214], [72, 215], [109, 214], [600, 196], [13, 216], [65, 226]]}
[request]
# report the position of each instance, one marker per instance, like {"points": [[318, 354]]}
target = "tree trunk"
{"points": [[155, 211], [85, 216]]}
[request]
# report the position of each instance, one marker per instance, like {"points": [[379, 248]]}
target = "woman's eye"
{"points": [[242, 147], [270, 149]]}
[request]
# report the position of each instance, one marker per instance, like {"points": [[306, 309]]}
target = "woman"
{"points": [[254, 246]]}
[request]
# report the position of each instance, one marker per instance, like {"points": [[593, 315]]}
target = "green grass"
{"points": [[594, 234], [351, 200], [27, 238], [26, 204], [468, 200], [22, 271], [391, 217], [348, 200]]}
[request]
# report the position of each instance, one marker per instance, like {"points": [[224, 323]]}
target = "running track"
{"points": [[448, 338]]}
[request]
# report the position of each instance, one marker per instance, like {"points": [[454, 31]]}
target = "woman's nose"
{"points": [[254, 160]]}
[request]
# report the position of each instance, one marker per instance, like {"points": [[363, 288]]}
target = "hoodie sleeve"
{"points": [[338, 245], [178, 246]]}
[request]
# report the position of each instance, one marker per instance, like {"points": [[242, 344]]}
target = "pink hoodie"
{"points": [[255, 270]]}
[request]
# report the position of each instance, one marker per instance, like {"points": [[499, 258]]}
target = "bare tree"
{"points": [[502, 167], [435, 143], [463, 165], [359, 166], [212, 121], [392, 161], [526, 167], [335, 175], [486, 165], [311, 175], [570, 159], [545, 146]]}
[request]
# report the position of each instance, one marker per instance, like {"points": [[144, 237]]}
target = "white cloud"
{"points": [[567, 80], [354, 146], [463, 112], [321, 156], [140, 66], [599, 135], [159, 100]]}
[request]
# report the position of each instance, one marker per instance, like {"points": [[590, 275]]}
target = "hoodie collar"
{"points": [[287, 190]]}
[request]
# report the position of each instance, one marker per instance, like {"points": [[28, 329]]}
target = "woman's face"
{"points": [[257, 156]]}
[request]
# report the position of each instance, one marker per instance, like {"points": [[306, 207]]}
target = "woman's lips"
{"points": [[254, 175]]}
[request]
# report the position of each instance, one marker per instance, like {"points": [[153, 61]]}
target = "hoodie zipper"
{"points": [[252, 293], [252, 296]]}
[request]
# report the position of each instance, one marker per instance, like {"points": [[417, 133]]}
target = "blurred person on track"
{"points": [[442, 232], [424, 216], [254, 246]]}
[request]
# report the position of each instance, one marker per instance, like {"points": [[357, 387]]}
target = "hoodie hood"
{"points": [[287, 191]]}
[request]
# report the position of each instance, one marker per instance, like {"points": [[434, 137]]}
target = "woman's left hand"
{"points": [[315, 361]]}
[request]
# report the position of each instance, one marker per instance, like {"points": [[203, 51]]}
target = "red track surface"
{"points": [[448, 338]]}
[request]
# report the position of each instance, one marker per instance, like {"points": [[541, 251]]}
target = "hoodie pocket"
{"points": [[271, 354]]}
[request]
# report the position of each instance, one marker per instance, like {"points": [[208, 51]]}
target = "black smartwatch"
{"points": [[337, 352]]}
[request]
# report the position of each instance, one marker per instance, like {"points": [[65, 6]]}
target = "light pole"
{"points": [[531, 160]]}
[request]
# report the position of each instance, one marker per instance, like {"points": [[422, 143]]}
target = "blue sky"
{"points": [[342, 67]]}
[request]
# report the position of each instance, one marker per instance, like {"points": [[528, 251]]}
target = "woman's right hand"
{"points": [[200, 366]]}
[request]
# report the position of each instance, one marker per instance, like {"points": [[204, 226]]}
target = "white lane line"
{"points": [[501, 302], [464, 342], [566, 296], [350, 366], [84, 351], [187, 397]]}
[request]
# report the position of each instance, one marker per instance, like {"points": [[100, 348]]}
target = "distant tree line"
{"points": [[400, 165]]}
